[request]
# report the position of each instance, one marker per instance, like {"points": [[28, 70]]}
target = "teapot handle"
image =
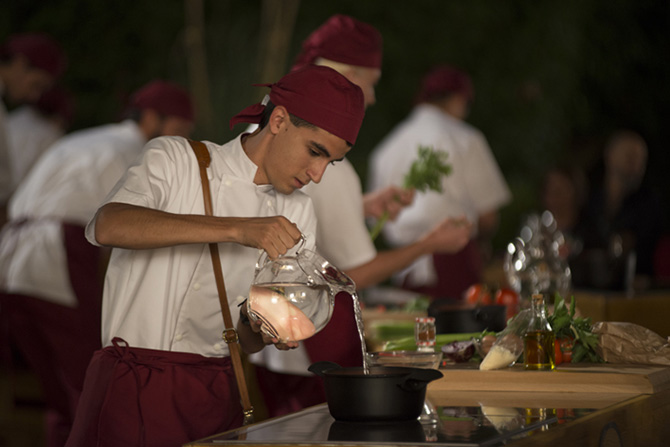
{"points": [[263, 257], [302, 241]]}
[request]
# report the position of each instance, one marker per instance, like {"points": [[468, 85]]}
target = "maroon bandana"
{"points": [[57, 101], [42, 51], [443, 80], [319, 95], [164, 97], [343, 39]]}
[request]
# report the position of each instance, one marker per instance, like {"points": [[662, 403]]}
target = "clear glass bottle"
{"points": [[539, 338]]}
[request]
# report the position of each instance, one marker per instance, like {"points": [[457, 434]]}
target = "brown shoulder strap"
{"points": [[229, 332]]}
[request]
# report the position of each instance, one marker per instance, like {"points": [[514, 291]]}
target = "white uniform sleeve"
{"points": [[148, 182], [342, 236]]}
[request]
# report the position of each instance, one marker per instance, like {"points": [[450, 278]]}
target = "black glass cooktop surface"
{"points": [[450, 426]]}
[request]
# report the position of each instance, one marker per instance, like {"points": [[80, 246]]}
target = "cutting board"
{"points": [[569, 378]]}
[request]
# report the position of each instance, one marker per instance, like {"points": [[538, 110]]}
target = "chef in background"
{"points": [[30, 63], [33, 128], [354, 49], [475, 188], [51, 278]]}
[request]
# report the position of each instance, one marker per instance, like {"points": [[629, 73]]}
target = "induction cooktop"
{"points": [[451, 426]]}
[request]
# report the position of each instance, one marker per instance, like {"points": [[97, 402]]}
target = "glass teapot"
{"points": [[294, 296]]}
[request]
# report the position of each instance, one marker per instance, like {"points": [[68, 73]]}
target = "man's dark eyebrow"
{"points": [[320, 147]]}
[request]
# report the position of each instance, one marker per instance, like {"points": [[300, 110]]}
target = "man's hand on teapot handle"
{"points": [[276, 234]]}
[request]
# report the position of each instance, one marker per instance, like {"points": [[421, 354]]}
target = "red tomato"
{"points": [[477, 295], [510, 299], [565, 345], [558, 354]]}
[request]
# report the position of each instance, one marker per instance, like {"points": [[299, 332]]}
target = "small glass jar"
{"points": [[424, 333]]}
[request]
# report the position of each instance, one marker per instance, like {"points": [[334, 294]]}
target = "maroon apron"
{"points": [[146, 397], [58, 341], [338, 342], [455, 273]]}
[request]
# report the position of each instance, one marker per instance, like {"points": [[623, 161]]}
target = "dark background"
{"points": [[552, 79]]}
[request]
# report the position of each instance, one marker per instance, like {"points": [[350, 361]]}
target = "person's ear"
{"points": [[278, 120], [18, 66], [150, 122]]}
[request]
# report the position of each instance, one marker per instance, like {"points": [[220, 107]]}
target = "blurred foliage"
{"points": [[552, 79]]}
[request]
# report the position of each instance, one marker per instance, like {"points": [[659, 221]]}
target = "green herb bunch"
{"points": [[425, 173], [565, 325]]}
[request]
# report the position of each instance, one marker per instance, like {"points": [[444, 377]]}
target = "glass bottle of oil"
{"points": [[538, 344]]}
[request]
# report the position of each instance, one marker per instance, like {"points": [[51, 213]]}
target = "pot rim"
{"points": [[374, 371]]}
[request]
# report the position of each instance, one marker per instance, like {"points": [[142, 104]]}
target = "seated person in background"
{"points": [[563, 193], [475, 188], [622, 219]]}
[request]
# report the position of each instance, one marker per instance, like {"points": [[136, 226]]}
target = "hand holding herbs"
{"points": [[425, 173], [575, 329], [391, 199]]}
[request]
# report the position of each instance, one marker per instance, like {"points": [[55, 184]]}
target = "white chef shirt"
{"points": [[67, 183], [166, 298], [342, 238], [475, 185], [5, 171], [29, 135]]}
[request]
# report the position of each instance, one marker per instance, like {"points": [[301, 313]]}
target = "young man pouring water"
{"points": [[164, 376]]}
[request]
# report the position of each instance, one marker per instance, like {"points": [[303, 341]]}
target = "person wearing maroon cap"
{"points": [[30, 63], [50, 276], [164, 376], [33, 128], [476, 188], [354, 49]]}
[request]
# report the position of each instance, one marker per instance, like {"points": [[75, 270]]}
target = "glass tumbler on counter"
{"points": [[424, 334]]}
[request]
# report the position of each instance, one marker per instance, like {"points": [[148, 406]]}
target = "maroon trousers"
{"points": [[57, 341], [455, 273], [145, 397]]}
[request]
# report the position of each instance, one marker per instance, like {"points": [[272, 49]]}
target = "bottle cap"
{"points": [[424, 319]]}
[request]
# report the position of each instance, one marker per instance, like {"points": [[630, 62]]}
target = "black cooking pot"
{"points": [[451, 318], [384, 432], [387, 393]]}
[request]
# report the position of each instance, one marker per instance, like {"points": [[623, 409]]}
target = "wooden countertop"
{"points": [[567, 378]]}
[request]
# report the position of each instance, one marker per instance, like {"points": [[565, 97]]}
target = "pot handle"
{"points": [[318, 368], [419, 378]]}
